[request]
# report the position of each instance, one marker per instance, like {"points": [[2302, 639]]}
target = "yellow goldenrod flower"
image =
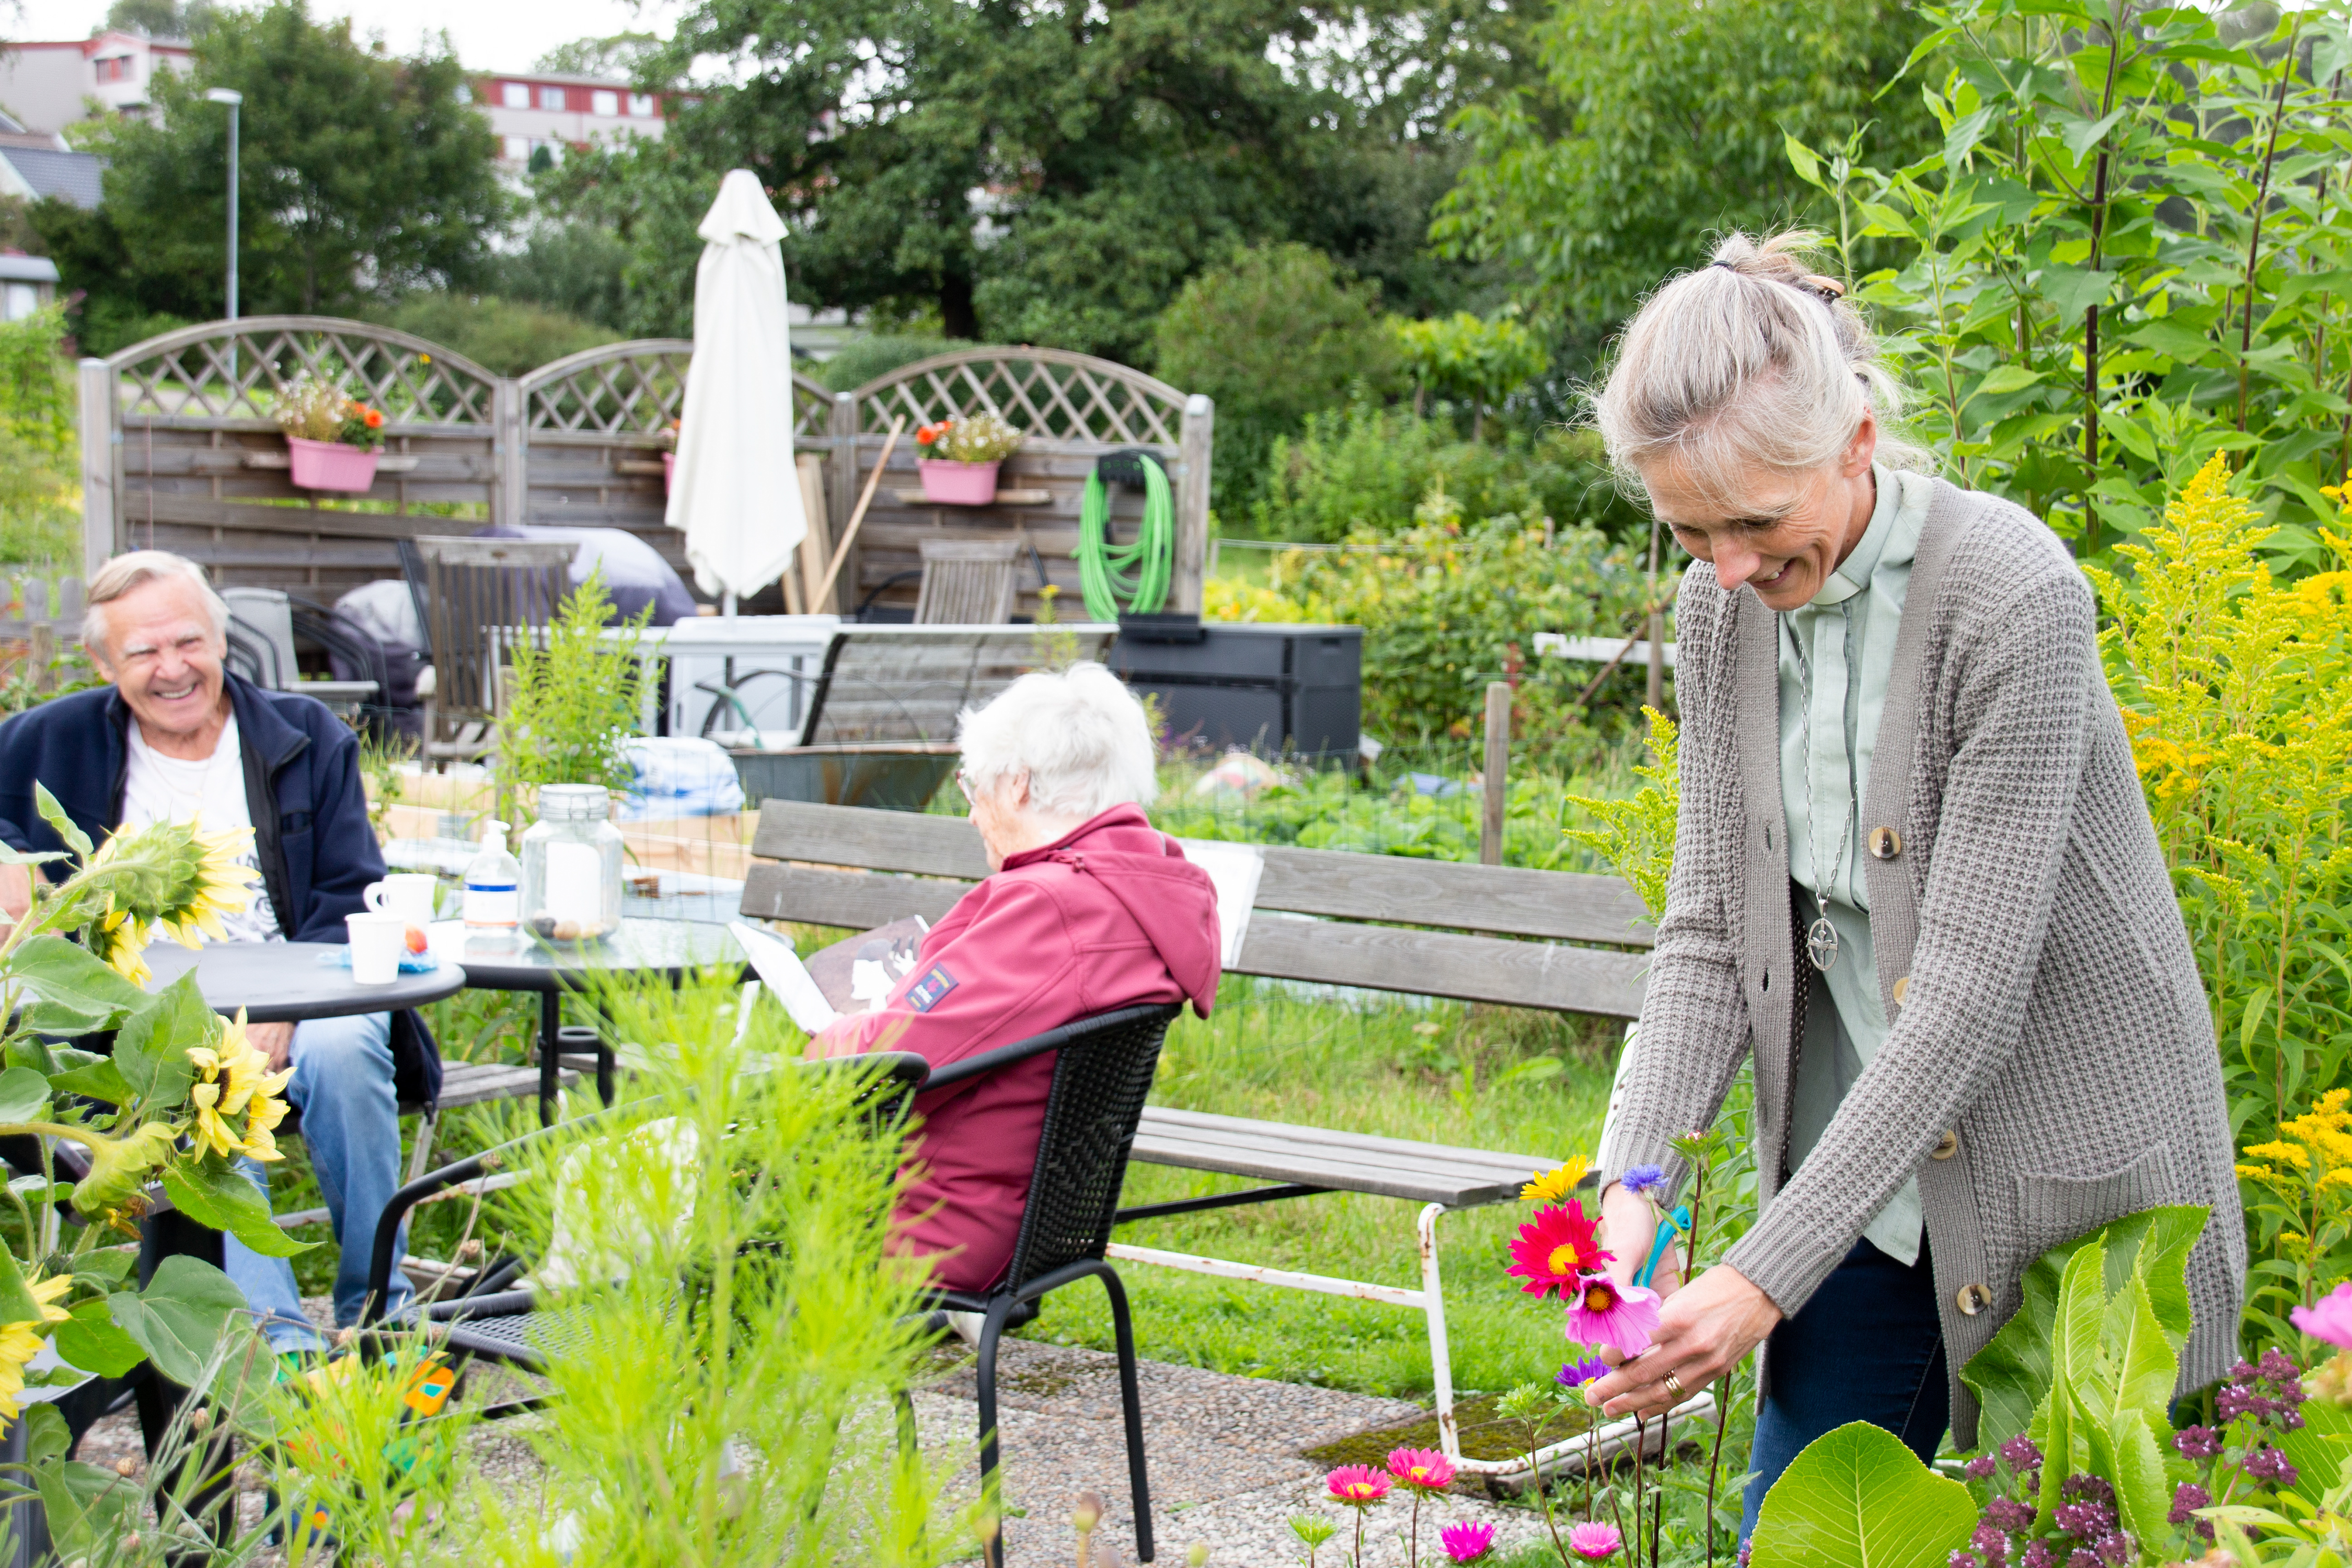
{"points": [[235, 1078], [1554, 1187], [2284, 1152], [20, 1342]]}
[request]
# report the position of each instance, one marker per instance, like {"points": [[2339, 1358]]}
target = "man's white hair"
{"points": [[128, 573], [1079, 733]]}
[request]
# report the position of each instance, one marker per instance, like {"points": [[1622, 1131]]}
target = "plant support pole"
{"points": [[1497, 787]]}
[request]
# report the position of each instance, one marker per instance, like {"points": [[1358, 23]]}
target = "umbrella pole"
{"points": [[849, 534], [727, 603]]}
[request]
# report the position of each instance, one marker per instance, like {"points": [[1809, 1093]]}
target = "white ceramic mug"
{"points": [[378, 938], [410, 895]]}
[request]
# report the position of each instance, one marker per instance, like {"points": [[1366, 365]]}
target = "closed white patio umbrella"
{"points": [[736, 494]]}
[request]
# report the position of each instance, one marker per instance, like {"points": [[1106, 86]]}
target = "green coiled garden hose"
{"points": [[1123, 578]]}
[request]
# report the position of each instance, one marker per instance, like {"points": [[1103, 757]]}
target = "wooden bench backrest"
{"points": [[900, 863]]}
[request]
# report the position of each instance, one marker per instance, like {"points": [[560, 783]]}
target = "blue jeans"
{"points": [[1867, 1346], [351, 1124]]}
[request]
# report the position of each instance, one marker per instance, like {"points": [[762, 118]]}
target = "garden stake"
{"points": [[865, 500]]}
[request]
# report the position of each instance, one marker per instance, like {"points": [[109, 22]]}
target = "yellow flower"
{"points": [[1554, 1187], [121, 942], [2285, 1153], [2258, 1173], [20, 1342], [236, 1077], [220, 886]]}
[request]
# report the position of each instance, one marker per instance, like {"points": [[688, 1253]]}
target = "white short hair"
{"points": [[134, 570], [1079, 733], [1752, 361]]}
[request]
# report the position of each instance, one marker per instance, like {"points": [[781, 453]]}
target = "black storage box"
{"points": [[1277, 690]]}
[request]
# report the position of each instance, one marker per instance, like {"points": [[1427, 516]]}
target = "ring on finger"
{"points": [[1674, 1386]]}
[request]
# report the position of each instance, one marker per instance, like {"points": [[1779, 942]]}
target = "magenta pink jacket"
{"points": [[1109, 917]]}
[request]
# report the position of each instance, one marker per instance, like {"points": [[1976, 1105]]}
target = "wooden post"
{"points": [[98, 466], [1496, 788], [841, 494], [510, 447], [1194, 440], [816, 544]]}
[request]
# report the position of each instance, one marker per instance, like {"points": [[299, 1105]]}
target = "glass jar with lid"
{"points": [[571, 865]]}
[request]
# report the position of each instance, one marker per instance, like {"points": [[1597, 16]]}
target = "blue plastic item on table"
{"points": [[424, 963]]}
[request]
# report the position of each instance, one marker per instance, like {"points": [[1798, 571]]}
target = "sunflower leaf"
{"points": [[70, 992], [216, 1195], [16, 1302], [92, 1340], [24, 1095], [152, 1051], [180, 1317], [60, 823]]}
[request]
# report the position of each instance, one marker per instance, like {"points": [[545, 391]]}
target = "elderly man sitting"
{"points": [[176, 737], [1088, 909]]}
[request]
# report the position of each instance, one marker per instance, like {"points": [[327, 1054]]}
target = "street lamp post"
{"points": [[233, 99]]}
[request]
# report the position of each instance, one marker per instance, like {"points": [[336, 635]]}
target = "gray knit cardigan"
{"points": [[2052, 1064]]}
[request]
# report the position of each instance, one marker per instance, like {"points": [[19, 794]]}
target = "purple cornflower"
{"points": [[2271, 1465], [2021, 1454], [1577, 1373], [1980, 1468], [2009, 1514], [2197, 1442], [1643, 1179]]}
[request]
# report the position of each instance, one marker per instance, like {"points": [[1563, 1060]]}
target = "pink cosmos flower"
{"points": [[1358, 1485], [2331, 1320], [1604, 1312], [1423, 1470], [1467, 1544], [1594, 1543]]}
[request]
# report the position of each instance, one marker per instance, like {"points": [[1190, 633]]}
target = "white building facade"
{"points": [[531, 112], [48, 86]]}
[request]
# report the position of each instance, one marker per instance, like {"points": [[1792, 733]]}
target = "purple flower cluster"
{"points": [[1981, 1467], [2268, 1464], [2198, 1442], [2269, 1391], [2008, 1514], [2021, 1455], [2186, 1499]]}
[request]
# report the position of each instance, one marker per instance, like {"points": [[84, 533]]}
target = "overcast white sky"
{"points": [[490, 34]]}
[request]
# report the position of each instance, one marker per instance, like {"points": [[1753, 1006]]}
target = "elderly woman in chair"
{"points": [[1087, 910]]}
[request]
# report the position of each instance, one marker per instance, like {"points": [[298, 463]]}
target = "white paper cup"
{"points": [[377, 939], [408, 894]]}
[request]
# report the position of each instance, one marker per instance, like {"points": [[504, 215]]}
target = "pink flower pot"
{"points": [[669, 471], [330, 465], [958, 484]]}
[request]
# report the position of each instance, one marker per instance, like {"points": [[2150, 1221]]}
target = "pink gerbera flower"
{"points": [[1423, 1470], [1604, 1312], [1467, 1544], [1356, 1486], [1594, 1543], [2331, 1320], [1556, 1247]]}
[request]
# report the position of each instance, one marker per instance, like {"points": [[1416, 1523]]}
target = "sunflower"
{"points": [[216, 886], [1554, 1248], [20, 1342], [1554, 1187], [236, 1077], [122, 943]]}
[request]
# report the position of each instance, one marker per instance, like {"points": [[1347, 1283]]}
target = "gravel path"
{"points": [[1224, 1451]]}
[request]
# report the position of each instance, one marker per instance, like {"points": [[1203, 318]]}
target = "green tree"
{"points": [[1470, 360], [619, 57], [1048, 175], [161, 18], [361, 174], [1659, 122], [1275, 334]]}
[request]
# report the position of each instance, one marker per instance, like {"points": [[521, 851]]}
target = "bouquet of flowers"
{"points": [[982, 438], [316, 410]]}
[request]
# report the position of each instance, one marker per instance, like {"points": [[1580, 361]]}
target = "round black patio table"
{"points": [[288, 982], [666, 948]]}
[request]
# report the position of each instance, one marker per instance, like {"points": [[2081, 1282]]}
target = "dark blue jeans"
{"points": [[1867, 1347]]}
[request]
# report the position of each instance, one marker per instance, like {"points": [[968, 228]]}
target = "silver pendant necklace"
{"points": [[1821, 937]]}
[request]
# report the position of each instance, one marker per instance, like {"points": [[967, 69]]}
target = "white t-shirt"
{"points": [[157, 788]]}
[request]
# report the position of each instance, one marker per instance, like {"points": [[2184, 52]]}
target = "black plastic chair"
{"points": [[491, 1319], [1100, 1080]]}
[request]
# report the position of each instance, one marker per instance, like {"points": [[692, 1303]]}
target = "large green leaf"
{"points": [[92, 1341], [215, 1195], [181, 1316], [16, 1302], [1857, 1498], [55, 816], [24, 1095], [2140, 1366], [101, 1081], [69, 992], [88, 1506], [2319, 1448], [2011, 1373], [2126, 1452], [152, 1051]]}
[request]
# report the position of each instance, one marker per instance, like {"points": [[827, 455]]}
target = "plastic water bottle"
{"points": [[493, 893]]}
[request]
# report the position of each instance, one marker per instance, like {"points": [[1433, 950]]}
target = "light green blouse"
{"points": [[1840, 644]]}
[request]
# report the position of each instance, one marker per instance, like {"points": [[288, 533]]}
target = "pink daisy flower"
{"points": [[1356, 1486], [1467, 1544], [1594, 1543], [1604, 1312], [1423, 1470]]}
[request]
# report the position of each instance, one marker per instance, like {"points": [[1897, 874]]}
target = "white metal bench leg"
{"points": [[427, 1126], [1433, 1306]]}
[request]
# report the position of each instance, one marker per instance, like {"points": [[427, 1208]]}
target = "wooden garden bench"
{"points": [[1549, 940]]}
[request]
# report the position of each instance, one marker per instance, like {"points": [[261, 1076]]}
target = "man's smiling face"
{"points": [[164, 656], [1785, 533]]}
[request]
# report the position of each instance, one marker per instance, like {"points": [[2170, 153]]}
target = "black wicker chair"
{"points": [[493, 1320], [1100, 1079]]}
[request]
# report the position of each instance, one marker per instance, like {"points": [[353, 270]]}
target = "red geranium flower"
{"points": [[1554, 1248]]}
